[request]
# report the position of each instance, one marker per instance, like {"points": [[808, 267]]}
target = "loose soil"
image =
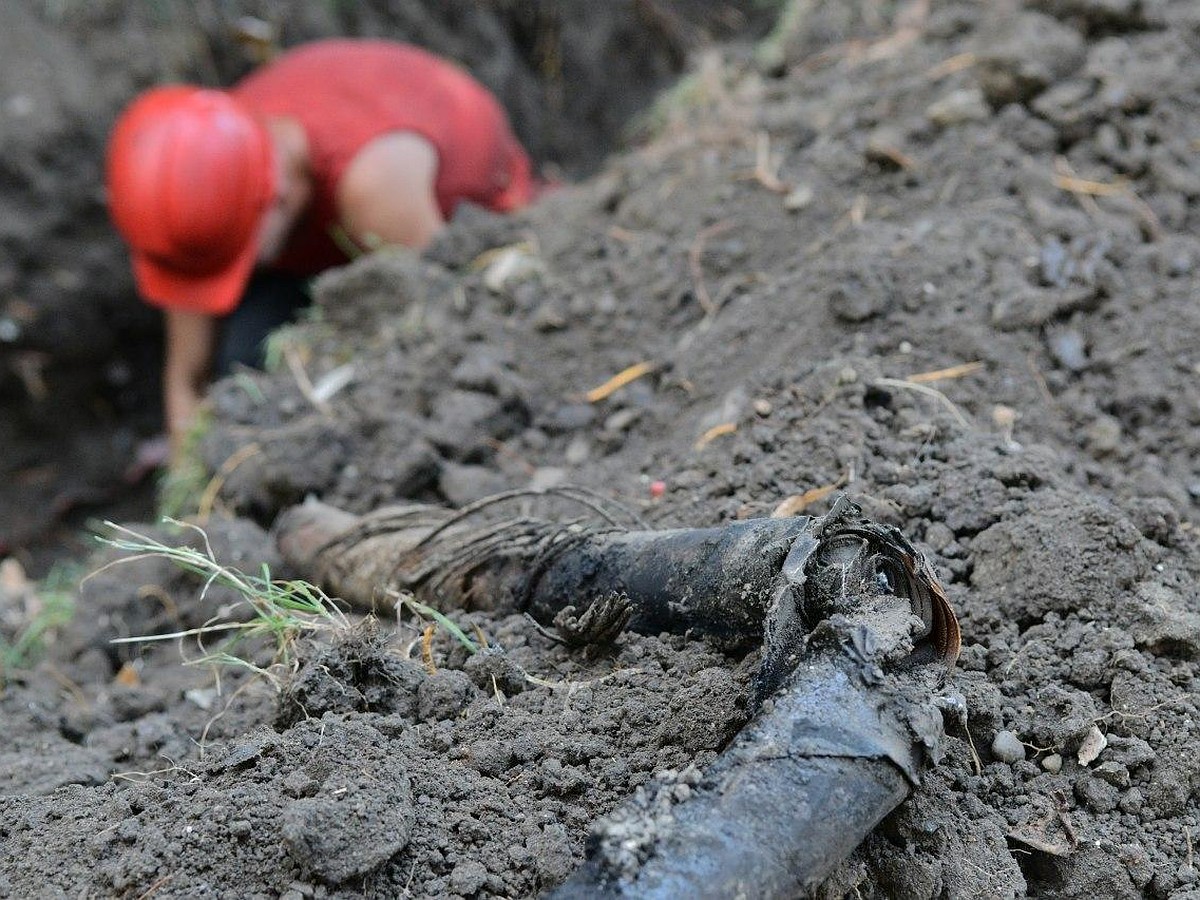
{"points": [[890, 193]]}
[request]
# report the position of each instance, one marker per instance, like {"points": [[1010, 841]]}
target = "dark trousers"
{"points": [[271, 299]]}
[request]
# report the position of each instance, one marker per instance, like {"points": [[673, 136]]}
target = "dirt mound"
{"points": [[943, 260]]}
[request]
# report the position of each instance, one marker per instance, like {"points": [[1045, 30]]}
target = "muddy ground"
{"points": [[887, 193]]}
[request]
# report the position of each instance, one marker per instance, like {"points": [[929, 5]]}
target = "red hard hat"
{"points": [[190, 174]]}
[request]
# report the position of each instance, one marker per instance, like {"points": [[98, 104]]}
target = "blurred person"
{"points": [[230, 200]]}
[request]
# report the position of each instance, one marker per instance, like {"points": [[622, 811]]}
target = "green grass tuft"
{"points": [[296, 334], [281, 610], [55, 607], [182, 485]]}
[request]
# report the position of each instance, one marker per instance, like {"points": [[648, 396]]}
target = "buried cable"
{"points": [[856, 635]]}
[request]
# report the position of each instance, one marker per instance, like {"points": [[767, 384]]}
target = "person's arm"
{"points": [[386, 195], [191, 339]]}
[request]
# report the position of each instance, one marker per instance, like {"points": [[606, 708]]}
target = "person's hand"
{"points": [[191, 340]]}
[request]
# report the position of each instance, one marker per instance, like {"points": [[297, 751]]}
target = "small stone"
{"points": [[762, 407], [1007, 747], [1068, 348], [885, 147], [1104, 435], [958, 107], [1053, 763], [545, 477], [578, 450], [799, 197], [622, 420], [201, 697], [1004, 417], [1093, 742], [510, 267]]}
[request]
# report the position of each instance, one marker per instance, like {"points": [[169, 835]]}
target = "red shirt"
{"points": [[346, 93]]}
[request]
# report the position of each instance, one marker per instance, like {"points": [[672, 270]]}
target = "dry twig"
{"points": [[797, 503], [427, 648], [1085, 190], [304, 383], [928, 392], [952, 372], [715, 432], [618, 381], [766, 169], [209, 498], [956, 63]]}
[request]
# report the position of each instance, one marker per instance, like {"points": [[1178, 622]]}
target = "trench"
{"points": [[79, 355]]}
